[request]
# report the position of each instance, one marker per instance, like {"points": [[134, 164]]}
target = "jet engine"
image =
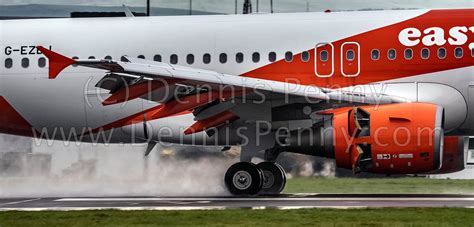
{"points": [[403, 138]]}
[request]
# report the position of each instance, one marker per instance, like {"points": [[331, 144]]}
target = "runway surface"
{"points": [[292, 201]]}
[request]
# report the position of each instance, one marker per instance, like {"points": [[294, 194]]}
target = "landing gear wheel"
{"points": [[274, 178], [244, 178]]}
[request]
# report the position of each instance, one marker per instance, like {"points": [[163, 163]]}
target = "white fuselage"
{"points": [[72, 101]]}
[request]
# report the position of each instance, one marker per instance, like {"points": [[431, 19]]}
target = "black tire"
{"points": [[244, 178], [274, 178]]}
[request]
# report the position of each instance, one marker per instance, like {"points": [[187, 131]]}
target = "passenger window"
{"points": [[350, 55], [305, 56], [272, 57], [458, 52], [441, 53], [174, 59], [8, 63], [425, 53], [324, 56], [108, 57], [190, 59], [223, 58], [239, 57], [375, 55], [91, 57], [206, 58], [289, 56], [157, 58], [392, 54], [408, 54], [141, 56], [255, 57], [41, 62], [25, 62]]}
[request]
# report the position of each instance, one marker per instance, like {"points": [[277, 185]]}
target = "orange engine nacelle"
{"points": [[390, 139]]}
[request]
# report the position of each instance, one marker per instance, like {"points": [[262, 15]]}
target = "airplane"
{"points": [[387, 92]]}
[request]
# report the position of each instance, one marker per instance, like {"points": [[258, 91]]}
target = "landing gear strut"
{"points": [[245, 178]]}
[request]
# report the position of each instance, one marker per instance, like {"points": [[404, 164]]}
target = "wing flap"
{"points": [[211, 122]]}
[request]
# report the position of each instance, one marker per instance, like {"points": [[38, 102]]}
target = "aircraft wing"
{"points": [[136, 67], [137, 73], [151, 70]]}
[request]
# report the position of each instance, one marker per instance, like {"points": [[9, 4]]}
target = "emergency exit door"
{"points": [[324, 60], [350, 59]]}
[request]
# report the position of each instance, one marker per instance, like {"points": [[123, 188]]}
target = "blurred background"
{"points": [[30, 167], [61, 8]]}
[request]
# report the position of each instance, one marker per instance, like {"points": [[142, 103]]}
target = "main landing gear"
{"points": [[245, 178]]}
